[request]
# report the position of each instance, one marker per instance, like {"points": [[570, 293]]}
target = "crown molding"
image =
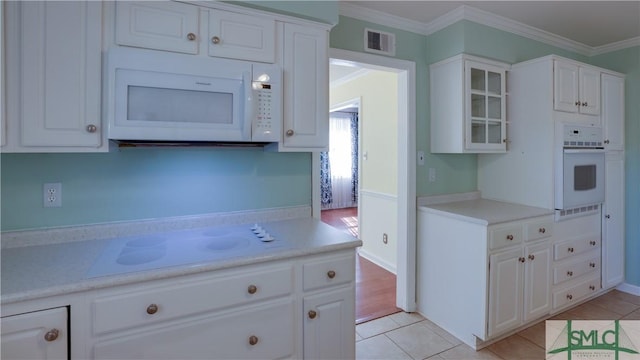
{"points": [[482, 17], [345, 79]]}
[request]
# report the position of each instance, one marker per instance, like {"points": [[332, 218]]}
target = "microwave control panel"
{"points": [[267, 124]]}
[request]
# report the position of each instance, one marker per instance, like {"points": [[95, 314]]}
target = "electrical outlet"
{"points": [[432, 174], [52, 195]]}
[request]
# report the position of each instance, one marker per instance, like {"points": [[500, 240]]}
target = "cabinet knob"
{"points": [[521, 259], [577, 103], [92, 128], [531, 257], [289, 132], [569, 296], [592, 243], [51, 335], [569, 273], [253, 340], [312, 314], [592, 287], [152, 309], [585, 104], [608, 216], [216, 40], [509, 237], [542, 230], [570, 249], [331, 274], [252, 289], [592, 264], [191, 36], [606, 141]]}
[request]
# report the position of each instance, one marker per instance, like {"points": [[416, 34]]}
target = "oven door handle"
{"points": [[583, 151]]}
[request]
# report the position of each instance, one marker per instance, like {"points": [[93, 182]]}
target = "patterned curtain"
{"points": [[326, 194], [354, 157]]}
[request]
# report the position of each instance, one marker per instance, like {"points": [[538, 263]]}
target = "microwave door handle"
{"points": [[249, 107]]}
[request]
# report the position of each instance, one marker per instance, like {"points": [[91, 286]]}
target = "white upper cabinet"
{"points": [[576, 88], [54, 76], [239, 36], [468, 106], [613, 112], [160, 25]]}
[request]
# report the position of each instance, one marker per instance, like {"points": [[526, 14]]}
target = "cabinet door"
{"points": [[537, 281], [159, 25], [505, 290], [36, 335], [59, 75], [613, 112], [565, 86], [485, 107], [239, 36], [3, 120], [613, 222], [329, 325], [306, 88], [589, 91]]}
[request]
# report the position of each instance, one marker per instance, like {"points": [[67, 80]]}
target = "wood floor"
{"points": [[375, 286]]}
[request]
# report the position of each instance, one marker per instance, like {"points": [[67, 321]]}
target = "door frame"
{"points": [[406, 192]]}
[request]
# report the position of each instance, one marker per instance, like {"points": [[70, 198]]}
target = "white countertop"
{"points": [[486, 212], [31, 272]]}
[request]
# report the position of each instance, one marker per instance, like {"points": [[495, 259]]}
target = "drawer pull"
{"points": [[216, 40], [252, 289], [92, 128], [592, 264], [509, 237], [570, 249], [542, 230], [569, 273], [592, 287], [152, 309], [253, 340], [51, 335], [191, 36], [521, 259], [312, 314], [569, 296], [531, 257], [331, 274], [592, 243]]}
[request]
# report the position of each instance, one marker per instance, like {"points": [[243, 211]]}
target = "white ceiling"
{"points": [[592, 23]]}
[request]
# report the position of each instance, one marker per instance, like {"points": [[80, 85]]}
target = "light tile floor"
{"points": [[412, 337]]}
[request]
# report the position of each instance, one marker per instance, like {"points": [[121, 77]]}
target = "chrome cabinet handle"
{"points": [[253, 340], [252, 289], [331, 274], [606, 141], [569, 273], [577, 103], [521, 259], [570, 249], [289, 132], [542, 230], [191, 36], [51, 335], [216, 40], [592, 264], [312, 314], [592, 287], [152, 309], [585, 104], [92, 128], [509, 237], [569, 296], [608, 216], [592, 243], [531, 257]]}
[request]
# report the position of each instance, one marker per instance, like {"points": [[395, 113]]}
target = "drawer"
{"points": [[329, 272], [574, 270], [576, 246], [575, 293], [500, 237], [538, 229], [175, 299], [260, 333]]}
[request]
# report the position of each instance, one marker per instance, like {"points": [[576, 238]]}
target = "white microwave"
{"points": [[156, 96]]}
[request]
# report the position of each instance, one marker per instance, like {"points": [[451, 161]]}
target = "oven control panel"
{"points": [[582, 136]]}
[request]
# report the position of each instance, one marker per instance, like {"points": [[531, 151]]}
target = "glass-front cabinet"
{"points": [[475, 122]]}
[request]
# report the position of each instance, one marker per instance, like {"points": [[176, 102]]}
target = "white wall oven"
{"points": [[157, 96], [580, 170]]}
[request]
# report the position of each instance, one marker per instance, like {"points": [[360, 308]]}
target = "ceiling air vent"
{"points": [[379, 42]]}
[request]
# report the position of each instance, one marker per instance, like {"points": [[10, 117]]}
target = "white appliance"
{"points": [[580, 172], [158, 96]]}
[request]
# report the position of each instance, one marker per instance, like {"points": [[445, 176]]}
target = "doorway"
{"points": [[404, 188]]}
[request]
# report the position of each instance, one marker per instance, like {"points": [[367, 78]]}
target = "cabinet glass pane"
{"points": [[478, 134], [478, 106], [495, 85], [495, 108], [494, 130], [477, 79]]}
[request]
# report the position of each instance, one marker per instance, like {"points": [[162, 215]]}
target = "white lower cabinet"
{"points": [[36, 335]]}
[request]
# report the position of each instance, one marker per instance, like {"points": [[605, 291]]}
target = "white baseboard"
{"points": [[376, 260], [630, 289]]}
